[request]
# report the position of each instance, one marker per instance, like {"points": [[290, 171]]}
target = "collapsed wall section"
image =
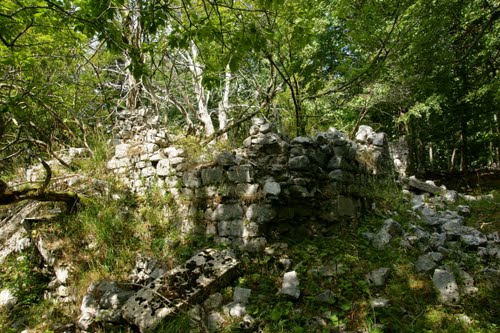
{"points": [[240, 195]]}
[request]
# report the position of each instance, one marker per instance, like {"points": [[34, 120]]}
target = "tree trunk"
{"points": [[224, 105], [202, 97]]}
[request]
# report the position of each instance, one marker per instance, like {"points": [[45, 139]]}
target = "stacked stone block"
{"points": [[239, 196]]}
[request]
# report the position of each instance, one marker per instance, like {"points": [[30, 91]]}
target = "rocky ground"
{"points": [[417, 262]]}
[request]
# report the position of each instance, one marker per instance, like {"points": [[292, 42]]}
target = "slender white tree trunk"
{"points": [[224, 104], [202, 96]]}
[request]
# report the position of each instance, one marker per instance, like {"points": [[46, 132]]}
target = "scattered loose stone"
{"points": [[326, 297], [290, 285], [446, 286], [425, 263], [215, 321], [7, 299], [379, 302], [241, 295], [378, 277]]}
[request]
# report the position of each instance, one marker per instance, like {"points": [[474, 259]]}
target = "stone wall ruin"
{"points": [[268, 184]]}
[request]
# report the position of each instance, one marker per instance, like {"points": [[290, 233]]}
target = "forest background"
{"points": [[424, 71]]}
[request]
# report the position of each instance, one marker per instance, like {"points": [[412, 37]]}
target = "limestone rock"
{"points": [[183, 285], [260, 213], [365, 134], [271, 188], [163, 167], [215, 321], [379, 302], [425, 263], [241, 295], [7, 299], [227, 212], [299, 163], [378, 277], [211, 176], [231, 228], [240, 174], [290, 285], [122, 150], [446, 286]]}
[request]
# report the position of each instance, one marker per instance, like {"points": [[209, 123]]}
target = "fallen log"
{"points": [[8, 197]]}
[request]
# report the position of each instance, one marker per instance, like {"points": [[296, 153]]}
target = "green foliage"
{"points": [[22, 277]]}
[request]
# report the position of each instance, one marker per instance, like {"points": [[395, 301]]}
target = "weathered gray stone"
{"points": [[146, 269], [227, 212], [436, 256], [290, 285], [446, 286], [392, 227], [271, 188], [163, 167], [463, 209], [241, 295], [215, 321], [451, 196], [235, 309], [422, 186], [473, 237], [299, 163], [265, 128], [326, 297], [231, 228], [122, 150], [191, 179], [150, 148], [303, 140], [86, 320], [379, 302], [148, 171], [365, 134], [108, 316], [175, 161], [467, 284], [378, 277], [7, 299], [186, 284], [381, 239], [424, 263], [250, 229], [240, 174], [379, 139], [172, 152], [248, 191], [335, 162], [114, 164], [260, 213], [62, 274], [212, 176], [114, 299]]}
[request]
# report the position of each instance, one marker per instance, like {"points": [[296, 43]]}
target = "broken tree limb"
{"points": [[8, 197]]}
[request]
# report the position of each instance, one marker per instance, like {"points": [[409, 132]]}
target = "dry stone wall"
{"points": [[270, 182]]}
